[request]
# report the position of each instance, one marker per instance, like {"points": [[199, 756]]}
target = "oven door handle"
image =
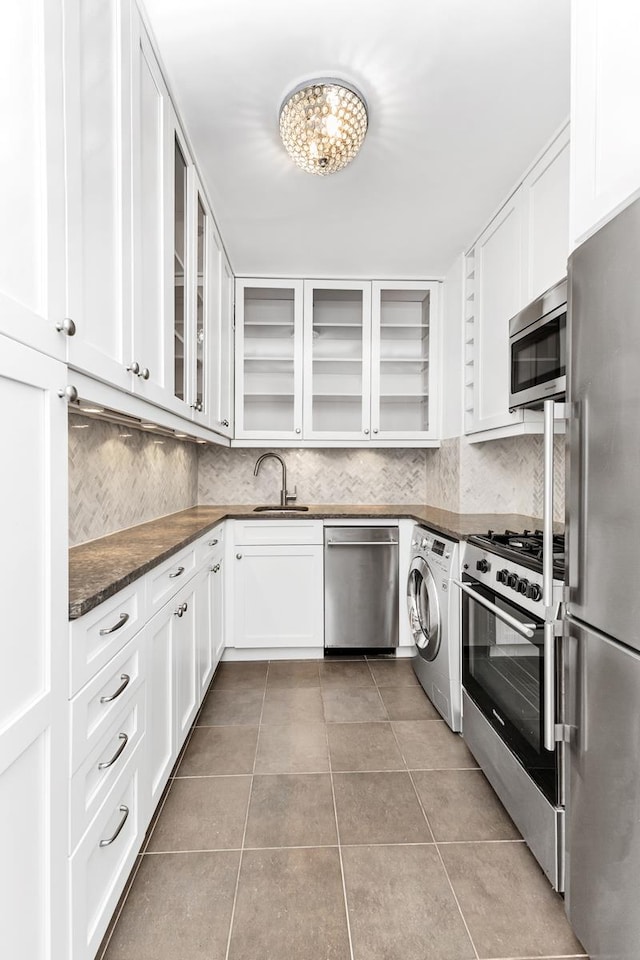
{"points": [[527, 630]]}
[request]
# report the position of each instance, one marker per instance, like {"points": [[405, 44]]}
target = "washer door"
{"points": [[424, 610]]}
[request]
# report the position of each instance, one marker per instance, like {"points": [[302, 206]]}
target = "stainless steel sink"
{"points": [[292, 508]]}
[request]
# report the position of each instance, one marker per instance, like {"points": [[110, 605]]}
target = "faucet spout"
{"points": [[284, 495]]}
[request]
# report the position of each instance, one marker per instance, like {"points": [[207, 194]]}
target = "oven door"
{"points": [[503, 673]]}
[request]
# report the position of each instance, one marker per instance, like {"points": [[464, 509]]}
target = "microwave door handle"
{"points": [[527, 630]]}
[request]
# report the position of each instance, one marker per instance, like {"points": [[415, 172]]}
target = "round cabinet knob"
{"points": [[144, 373], [66, 326], [366, 433], [522, 586], [483, 566], [134, 367], [69, 393], [185, 607], [238, 556], [298, 430], [375, 429], [224, 423], [179, 611]]}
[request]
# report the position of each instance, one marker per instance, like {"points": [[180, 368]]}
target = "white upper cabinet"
{"points": [[223, 414], [404, 353], [32, 259], [269, 359], [498, 293], [520, 254], [605, 134], [98, 166], [546, 215], [153, 153], [337, 360]]}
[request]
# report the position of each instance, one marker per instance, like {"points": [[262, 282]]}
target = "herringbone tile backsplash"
{"points": [[322, 476], [117, 481], [120, 477]]}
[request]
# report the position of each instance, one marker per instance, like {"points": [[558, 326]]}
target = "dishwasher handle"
{"points": [[362, 543]]}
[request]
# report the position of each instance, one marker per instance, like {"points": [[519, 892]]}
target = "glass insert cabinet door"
{"points": [[201, 307], [179, 271], [402, 347], [269, 359], [337, 371]]}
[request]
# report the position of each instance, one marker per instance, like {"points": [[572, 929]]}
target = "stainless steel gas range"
{"points": [[511, 684]]}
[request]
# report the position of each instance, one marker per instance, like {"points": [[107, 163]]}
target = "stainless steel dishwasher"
{"points": [[360, 587]]}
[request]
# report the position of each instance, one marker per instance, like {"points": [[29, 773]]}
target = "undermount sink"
{"points": [[292, 508]]}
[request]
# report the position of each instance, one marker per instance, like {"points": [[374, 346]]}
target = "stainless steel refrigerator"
{"points": [[602, 648]]}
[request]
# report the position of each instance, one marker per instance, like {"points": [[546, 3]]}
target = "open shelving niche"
{"points": [[269, 380]]}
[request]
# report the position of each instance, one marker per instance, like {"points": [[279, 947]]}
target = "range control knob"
{"points": [[513, 580], [482, 566], [502, 576], [534, 592], [523, 586]]}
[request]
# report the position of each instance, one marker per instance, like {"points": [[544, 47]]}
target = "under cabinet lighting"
{"points": [[92, 409], [158, 441], [79, 426], [201, 441], [148, 426], [125, 435], [181, 436]]}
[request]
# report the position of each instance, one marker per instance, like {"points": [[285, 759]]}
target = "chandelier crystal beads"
{"points": [[322, 125]]}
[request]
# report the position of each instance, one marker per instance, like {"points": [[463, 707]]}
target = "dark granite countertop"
{"points": [[100, 568]]}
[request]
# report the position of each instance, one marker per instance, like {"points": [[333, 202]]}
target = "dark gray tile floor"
{"points": [[323, 811]]}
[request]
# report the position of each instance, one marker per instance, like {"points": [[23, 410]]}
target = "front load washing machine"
{"points": [[434, 618]]}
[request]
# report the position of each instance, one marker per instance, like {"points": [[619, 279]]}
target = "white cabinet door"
{"points": [[98, 166], [337, 360], [210, 620], [404, 352], [33, 681], [160, 740], [269, 359], [203, 308], [32, 261], [185, 654], [153, 146], [605, 134], [278, 597], [546, 199], [499, 294], [224, 414]]}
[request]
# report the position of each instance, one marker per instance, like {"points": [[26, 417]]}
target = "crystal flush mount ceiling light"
{"points": [[323, 124]]}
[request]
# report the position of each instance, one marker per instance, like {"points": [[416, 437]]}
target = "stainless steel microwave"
{"points": [[538, 349]]}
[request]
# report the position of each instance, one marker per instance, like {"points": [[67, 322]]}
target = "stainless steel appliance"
{"points": [[602, 597], [434, 620], [537, 342], [511, 689], [361, 587]]}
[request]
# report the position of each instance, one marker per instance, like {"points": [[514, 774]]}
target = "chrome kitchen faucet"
{"points": [[285, 496]]}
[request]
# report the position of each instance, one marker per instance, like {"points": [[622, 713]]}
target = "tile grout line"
{"points": [[446, 872], [116, 917], [342, 877], [246, 821]]}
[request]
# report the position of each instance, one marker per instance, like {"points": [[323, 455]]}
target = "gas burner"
{"points": [[525, 548]]}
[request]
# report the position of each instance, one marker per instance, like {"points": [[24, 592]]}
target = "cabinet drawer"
{"points": [[101, 864], [96, 707], [95, 777], [97, 637], [165, 581], [212, 542], [268, 532]]}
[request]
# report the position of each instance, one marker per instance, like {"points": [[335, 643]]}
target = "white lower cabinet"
{"points": [[160, 699], [101, 864], [210, 622], [278, 597], [185, 655]]}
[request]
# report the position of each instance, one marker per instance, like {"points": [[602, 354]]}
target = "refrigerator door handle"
{"points": [[549, 717], [547, 510]]}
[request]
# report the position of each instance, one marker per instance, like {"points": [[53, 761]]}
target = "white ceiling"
{"points": [[462, 94]]}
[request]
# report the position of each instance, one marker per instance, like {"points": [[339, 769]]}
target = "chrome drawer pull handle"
{"points": [[110, 763], [125, 810], [114, 696], [212, 543], [177, 573], [121, 622]]}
